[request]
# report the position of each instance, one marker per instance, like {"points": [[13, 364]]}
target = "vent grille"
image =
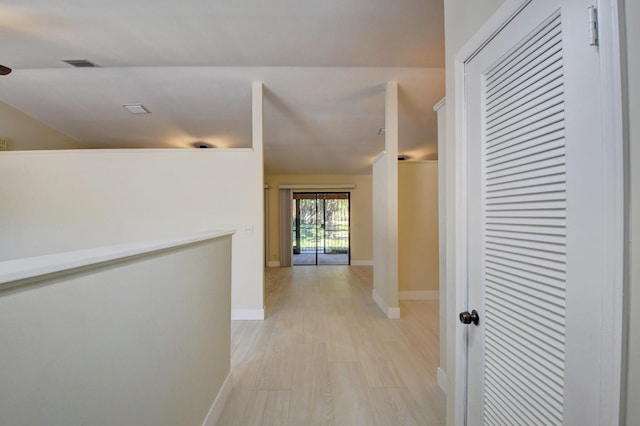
{"points": [[4, 146], [80, 63], [525, 232]]}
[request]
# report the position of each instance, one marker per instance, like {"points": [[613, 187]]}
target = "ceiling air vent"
{"points": [[136, 109], [80, 63]]}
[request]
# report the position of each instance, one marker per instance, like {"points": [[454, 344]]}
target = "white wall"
{"points": [[381, 250], [67, 200], [135, 342], [632, 9]]}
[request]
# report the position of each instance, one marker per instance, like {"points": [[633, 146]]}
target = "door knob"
{"points": [[468, 318]]}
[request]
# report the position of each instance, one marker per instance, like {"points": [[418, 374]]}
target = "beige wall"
{"points": [[24, 133], [67, 200], [361, 225], [418, 226], [632, 9], [141, 341]]}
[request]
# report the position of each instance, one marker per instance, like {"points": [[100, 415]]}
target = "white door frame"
{"points": [[610, 376]]}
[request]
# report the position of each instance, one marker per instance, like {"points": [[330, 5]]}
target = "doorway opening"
{"points": [[321, 228]]}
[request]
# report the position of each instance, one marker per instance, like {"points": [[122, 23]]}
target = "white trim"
{"points": [[247, 314], [491, 28], [419, 295], [505, 13], [391, 313], [218, 404], [613, 124], [458, 303], [274, 264], [442, 380], [440, 104], [320, 186], [362, 263]]}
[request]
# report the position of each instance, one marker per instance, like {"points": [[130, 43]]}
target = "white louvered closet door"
{"points": [[533, 135]]}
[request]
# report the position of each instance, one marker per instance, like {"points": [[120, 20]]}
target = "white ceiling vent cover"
{"points": [[136, 109]]}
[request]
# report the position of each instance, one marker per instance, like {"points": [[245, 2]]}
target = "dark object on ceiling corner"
{"points": [[4, 70]]}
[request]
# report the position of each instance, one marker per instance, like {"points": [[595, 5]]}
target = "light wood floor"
{"points": [[325, 355]]}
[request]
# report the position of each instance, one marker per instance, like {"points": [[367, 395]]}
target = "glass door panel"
{"points": [[321, 229]]}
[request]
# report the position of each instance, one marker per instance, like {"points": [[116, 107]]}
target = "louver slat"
{"points": [[524, 221]]}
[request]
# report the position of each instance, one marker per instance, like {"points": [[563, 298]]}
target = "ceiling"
{"points": [[324, 65]]}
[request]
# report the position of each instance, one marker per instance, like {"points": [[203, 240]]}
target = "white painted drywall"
{"points": [[143, 341], [380, 221], [67, 200], [385, 212]]}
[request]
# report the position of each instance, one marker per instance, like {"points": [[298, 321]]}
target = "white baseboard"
{"points": [[391, 313], [419, 295], [442, 380], [362, 263], [247, 314], [218, 403], [273, 264]]}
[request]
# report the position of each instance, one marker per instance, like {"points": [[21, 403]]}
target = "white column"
{"points": [[257, 115], [248, 296], [391, 147]]}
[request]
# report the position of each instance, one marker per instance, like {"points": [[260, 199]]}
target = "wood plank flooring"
{"points": [[326, 355]]}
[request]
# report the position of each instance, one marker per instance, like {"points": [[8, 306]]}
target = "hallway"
{"points": [[325, 355]]}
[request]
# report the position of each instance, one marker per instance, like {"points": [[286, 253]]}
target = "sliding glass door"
{"points": [[321, 228]]}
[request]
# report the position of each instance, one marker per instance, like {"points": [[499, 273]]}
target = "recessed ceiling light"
{"points": [[200, 144], [80, 63], [381, 131], [136, 109]]}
